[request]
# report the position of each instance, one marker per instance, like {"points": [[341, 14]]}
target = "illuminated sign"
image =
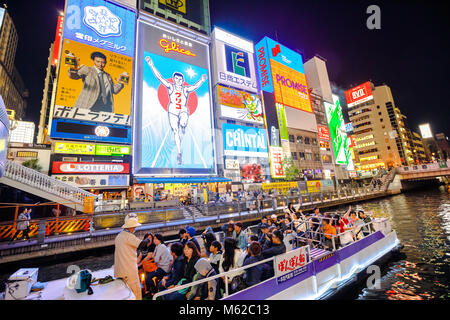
{"points": [[281, 72], [282, 123], [291, 264], [234, 61], [22, 133], [338, 134], [90, 131], [173, 46], [96, 69], [178, 5], [94, 181], [323, 133], [231, 164], [252, 173], [57, 43], [349, 127], [26, 154], [89, 167], [425, 131], [91, 149], [173, 121], [244, 141], [359, 94], [276, 162], [240, 105]]}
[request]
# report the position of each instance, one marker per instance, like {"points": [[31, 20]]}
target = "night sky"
{"points": [[410, 53]]}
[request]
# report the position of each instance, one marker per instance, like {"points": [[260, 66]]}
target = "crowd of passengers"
{"points": [[164, 266]]}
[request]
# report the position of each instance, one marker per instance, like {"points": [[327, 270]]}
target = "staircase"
{"points": [[44, 186]]}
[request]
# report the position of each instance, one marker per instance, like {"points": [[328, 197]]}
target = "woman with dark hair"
{"points": [[254, 274], [163, 260], [208, 237], [232, 258], [191, 255], [145, 249]]}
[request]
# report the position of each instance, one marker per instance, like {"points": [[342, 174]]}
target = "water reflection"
{"points": [[422, 222]]}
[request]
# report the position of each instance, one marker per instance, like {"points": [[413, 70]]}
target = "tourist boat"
{"points": [[316, 273]]}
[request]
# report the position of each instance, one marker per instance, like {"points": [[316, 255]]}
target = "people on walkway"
{"points": [[125, 257]]}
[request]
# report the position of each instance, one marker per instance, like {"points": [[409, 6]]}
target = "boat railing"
{"points": [[228, 276]]}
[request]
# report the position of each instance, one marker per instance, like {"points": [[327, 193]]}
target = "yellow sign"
{"points": [[179, 5], [27, 154], [282, 187], [73, 91], [290, 87], [314, 186], [74, 148], [88, 205]]}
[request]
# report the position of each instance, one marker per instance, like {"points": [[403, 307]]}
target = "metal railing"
{"points": [[43, 182]]}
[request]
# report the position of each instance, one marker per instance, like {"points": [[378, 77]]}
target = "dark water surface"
{"points": [[421, 271]]}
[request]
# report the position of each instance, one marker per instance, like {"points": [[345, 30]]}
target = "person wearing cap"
{"points": [[205, 290], [188, 234], [125, 256], [240, 236]]}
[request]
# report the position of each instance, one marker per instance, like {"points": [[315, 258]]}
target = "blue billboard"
{"points": [[244, 141], [91, 131], [101, 24], [173, 126]]}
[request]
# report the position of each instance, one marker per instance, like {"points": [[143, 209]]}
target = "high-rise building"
{"points": [[419, 153], [378, 128], [443, 145], [12, 87]]}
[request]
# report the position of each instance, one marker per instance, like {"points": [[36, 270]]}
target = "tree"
{"points": [[32, 164], [291, 171]]}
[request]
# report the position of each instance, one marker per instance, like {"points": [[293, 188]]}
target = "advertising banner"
{"points": [[91, 149], [276, 162], [291, 264], [231, 164], [23, 132], [338, 134], [281, 72], [91, 131], [234, 61], [92, 181], [96, 70], [89, 167], [174, 124], [359, 94], [282, 124], [252, 173], [240, 105], [244, 141], [323, 132], [271, 120]]}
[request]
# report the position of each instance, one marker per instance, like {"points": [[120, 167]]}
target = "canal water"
{"points": [[420, 272]]}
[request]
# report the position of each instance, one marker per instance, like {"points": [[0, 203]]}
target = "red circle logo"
{"points": [[163, 97]]}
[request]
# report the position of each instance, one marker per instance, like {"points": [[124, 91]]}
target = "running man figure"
{"points": [[177, 108]]}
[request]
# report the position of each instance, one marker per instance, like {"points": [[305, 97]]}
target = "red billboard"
{"points": [[90, 167], [57, 43], [359, 94], [323, 133]]}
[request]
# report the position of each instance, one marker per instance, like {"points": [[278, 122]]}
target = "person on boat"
{"points": [[263, 222], [276, 245], [125, 258], [366, 219], [188, 234], [191, 254], [264, 231], [345, 224], [208, 237], [205, 290], [232, 258], [215, 254], [329, 232], [228, 228], [146, 249], [239, 236], [254, 274], [163, 260], [176, 271]]}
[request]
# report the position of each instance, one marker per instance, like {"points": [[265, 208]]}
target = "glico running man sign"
{"points": [[173, 128]]}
